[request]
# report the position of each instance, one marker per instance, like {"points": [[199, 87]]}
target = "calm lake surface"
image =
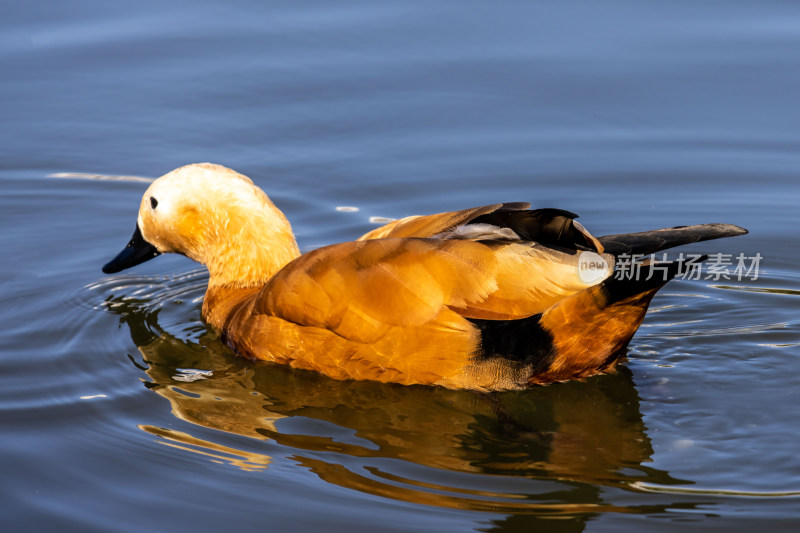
{"points": [[121, 411]]}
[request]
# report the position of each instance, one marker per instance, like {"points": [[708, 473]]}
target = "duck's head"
{"points": [[216, 217]]}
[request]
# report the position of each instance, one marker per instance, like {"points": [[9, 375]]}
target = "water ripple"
{"points": [[152, 292], [733, 493]]}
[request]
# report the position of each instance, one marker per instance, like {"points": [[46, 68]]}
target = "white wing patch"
{"points": [[479, 232]]}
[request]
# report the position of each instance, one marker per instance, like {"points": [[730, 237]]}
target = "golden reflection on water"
{"points": [[247, 461], [547, 451]]}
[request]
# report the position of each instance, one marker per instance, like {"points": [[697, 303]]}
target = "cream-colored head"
{"points": [[219, 218]]}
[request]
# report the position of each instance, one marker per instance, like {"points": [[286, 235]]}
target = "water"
{"points": [[121, 411]]}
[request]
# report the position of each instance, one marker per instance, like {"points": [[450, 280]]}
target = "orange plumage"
{"points": [[487, 298]]}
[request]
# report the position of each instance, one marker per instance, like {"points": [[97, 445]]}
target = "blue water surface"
{"points": [[121, 411]]}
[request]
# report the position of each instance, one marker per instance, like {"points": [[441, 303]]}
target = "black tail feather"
{"points": [[649, 242]]}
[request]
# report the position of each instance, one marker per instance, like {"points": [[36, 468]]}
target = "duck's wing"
{"points": [[496, 221], [359, 289]]}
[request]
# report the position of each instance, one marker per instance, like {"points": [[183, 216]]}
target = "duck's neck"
{"points": [[249, 261], [246, 250], [241, 259]]}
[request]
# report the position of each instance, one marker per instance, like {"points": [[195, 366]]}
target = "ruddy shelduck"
{"points": [[489, 298]]}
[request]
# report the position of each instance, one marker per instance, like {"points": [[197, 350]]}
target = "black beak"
{"points": [[138, 251]]}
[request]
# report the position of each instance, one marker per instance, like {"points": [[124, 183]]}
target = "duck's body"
{"points": [[487, 298]]}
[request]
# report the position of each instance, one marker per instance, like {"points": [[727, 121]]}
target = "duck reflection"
{"points": [[543, 452]]}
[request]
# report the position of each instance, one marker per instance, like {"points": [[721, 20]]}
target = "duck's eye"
{"points": [[153, 202]]}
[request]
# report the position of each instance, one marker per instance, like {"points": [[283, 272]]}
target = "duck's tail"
{"points": [[586, 332], [648, 242]]}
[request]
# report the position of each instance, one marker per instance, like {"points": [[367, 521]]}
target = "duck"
{"points": [[490, 298]]}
